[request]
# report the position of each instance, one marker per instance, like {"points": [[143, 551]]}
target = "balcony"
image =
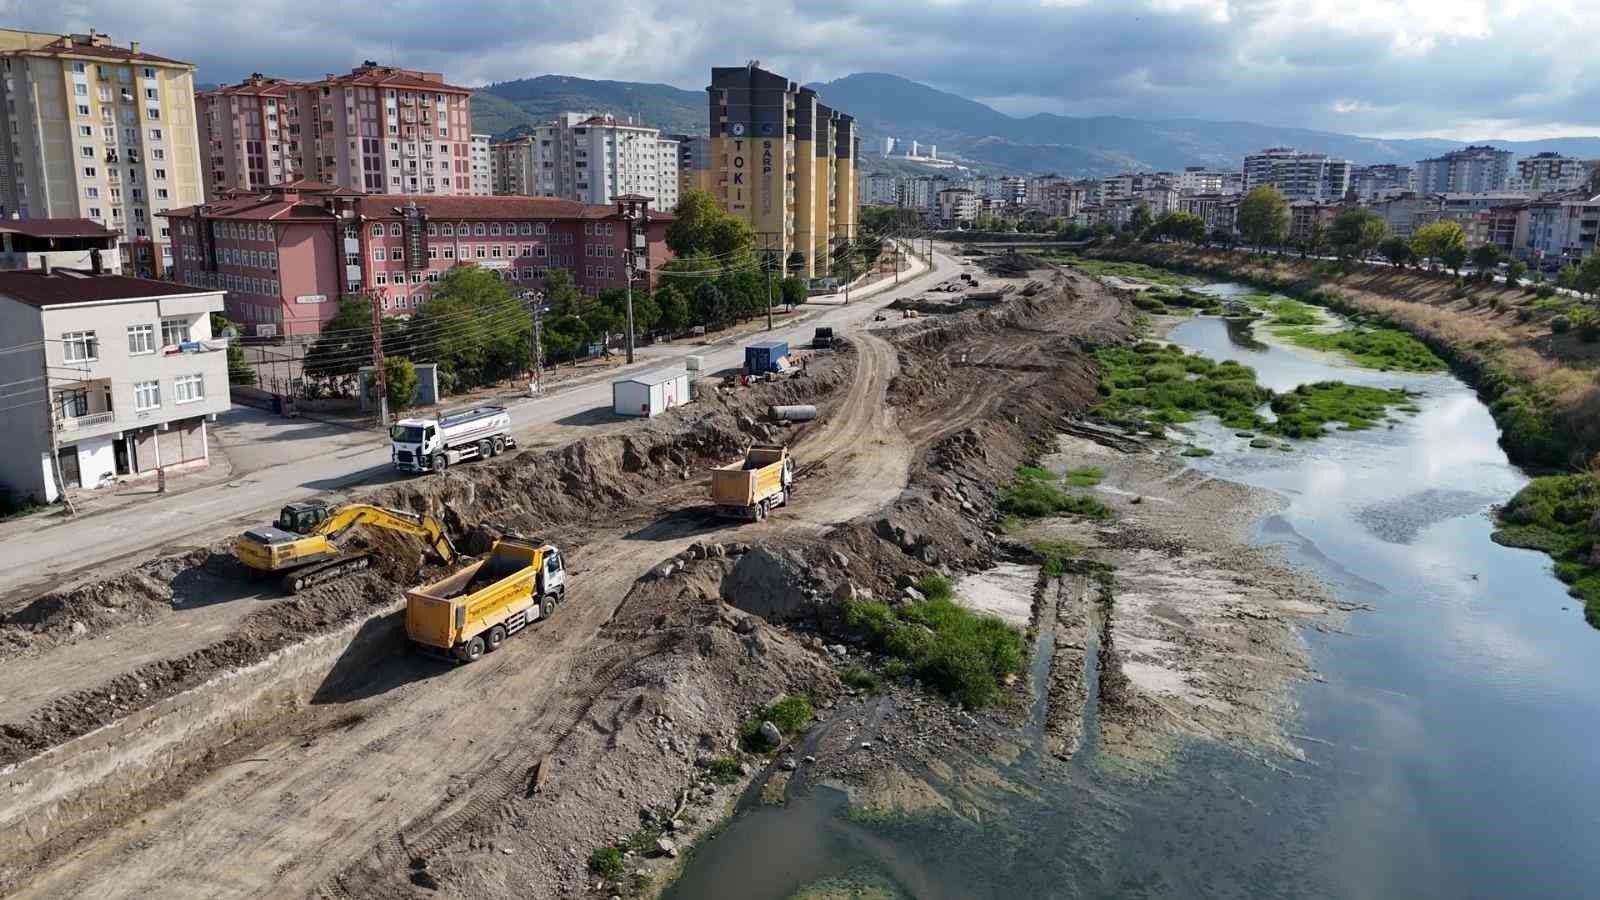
{"points": [[69, 424]]}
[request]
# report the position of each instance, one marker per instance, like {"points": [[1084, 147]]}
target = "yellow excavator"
{"points": [[302, 544]]}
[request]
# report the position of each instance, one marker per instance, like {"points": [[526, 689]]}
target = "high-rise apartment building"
{"points": [[1384, 180], [1300, 176], [591, 159], [784, 162], [694, 162], [1472, 170], [1548, 172], [1200, 180], [512, 166], [378, 129], [482, 174], [879, 189], [94, 130]]}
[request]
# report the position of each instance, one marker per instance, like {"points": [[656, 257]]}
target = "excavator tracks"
{"points": [[322, 573]]}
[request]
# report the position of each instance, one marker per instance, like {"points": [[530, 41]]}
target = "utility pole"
{"points": [[635, 211], [767, 263], [377, 362], [537, 387], [50, 417]]}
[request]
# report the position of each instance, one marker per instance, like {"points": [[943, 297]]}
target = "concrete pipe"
{"points": [[792, 413]]}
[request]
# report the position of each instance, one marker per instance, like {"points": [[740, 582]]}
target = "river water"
{"points": [[1449, 746]]}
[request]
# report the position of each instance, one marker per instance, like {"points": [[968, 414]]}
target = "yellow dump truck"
{"points": [[752, 488], [474, 610]]}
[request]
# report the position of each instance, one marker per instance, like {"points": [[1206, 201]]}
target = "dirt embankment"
{"points": [[1540, 385], [559, 494]]}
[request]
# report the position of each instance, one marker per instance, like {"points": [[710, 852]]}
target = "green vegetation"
{"points": [[1056, 556], [1263, 216], [1283, 310], [1556, 514], [724, 770], [961, 653], [643, 840], [1374, 348], [1131, 270], [1151, 383], [1085, 476], [1035, 495], [791, 714], [859, 677], [606, 862], [400, 382], [1197, 452]]}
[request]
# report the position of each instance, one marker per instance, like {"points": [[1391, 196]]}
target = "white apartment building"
{"points": [[93, 130], [1549, 173], [1200, 180], [126, 376], [957, 206], [879, 189], [922, 192], [595, 159], [482, 172], [1300, 176], [1472, 170]]}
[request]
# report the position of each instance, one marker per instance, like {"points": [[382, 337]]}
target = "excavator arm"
{"points": [[425, 527]]}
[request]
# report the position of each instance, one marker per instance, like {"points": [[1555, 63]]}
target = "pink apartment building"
{"points": [[379, 129], [287, 254]]}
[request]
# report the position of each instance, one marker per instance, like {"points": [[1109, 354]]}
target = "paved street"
{"points": [[54, 552]]}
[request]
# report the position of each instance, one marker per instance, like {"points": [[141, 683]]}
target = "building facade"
{"points": [[879, 189], [56, 243], [285, 257], [1372, 182], [482, 172], [784, 162], [1561, 230], [95, 130], [694, 162], [1472, 170], [1551, 172], [1300, 176], [377, 129], [957, 207], [592, 159], [1200, 180], [125, 380]]}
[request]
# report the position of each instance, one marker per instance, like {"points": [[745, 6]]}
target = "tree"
{"points": [[1515, 269], [1222, 237], [1587, 280], [400, 381], [1431, 242], [702, 226], [869, 248], [345, 344], [566, 337], [1454, 256], [1356, 232], [1181, 226], [674, 309], [1316, 238], [561, 293], [1396, 250], [1263, 216], [1140, 221], [1486, 257], [239, 371], [706, 306], [794, 291], [646, 312], [473, 326]]}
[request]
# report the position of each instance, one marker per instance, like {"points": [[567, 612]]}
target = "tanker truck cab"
{"points": [[435, 444]]}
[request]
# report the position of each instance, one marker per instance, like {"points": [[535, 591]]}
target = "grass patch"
{"points": [[1085, 476], [606, 862], [1552, 514], [791, 714], [1374, 348], [642, 841], [960, 653], [1133, 270], [1283, 310], [1197, 452], [1033, 497], [1056, 556], [724, 770], [859, 677], [1147, 384]]}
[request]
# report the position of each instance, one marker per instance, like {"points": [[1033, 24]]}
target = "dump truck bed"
{"points": [[744, 484], [441, 613]]}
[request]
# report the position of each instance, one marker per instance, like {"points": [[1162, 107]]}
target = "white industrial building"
{"points": [[650, 394]]}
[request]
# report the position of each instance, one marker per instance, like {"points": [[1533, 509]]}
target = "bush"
{"points": [[1560, 325], [1524, 315], [959, 652], [400, 380], [859, 677], [792, 714], [606, 862], [1545, 291], [724, 770]]}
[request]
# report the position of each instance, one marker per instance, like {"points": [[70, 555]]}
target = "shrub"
{"points": [[751, 740], [959, 652], [1560, 325], [724, 770], [1545, 291], [935, 587], [859, 677], [400, 380], [606, 862], [1524, 315], [792, 714]]}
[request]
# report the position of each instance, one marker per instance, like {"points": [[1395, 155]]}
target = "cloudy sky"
{"points": [[1449, 68]]}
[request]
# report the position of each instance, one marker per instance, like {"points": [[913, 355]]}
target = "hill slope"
{"points": [[502, 108]]}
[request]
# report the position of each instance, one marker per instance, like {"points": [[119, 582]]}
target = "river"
{"points": [[1448, 744]]}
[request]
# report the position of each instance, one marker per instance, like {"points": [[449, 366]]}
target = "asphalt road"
{"points": [[57, 554]]}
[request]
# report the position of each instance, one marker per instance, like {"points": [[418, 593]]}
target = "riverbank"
{"points": [[1538, 378]]}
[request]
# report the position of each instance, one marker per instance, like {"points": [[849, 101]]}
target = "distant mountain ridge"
{"points": [[886, 105]]}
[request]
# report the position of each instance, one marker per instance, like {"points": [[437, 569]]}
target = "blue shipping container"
{"points": [[763, 357]]}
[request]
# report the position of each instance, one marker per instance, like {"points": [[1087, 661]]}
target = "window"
{"points": [[433, 230], [89, 172], [72, 403], [93, 193], [174, 331], [478, 229], [152, 113], [158, 153], [83, 109], [527, 228], [447, 230], [479, 250], [146, 394], [141, 339], [449, 251], [539, 228], [377, 229], [86, 131], [149, 72], [80, 346], [189, 388], [94, 212], [494, 228], [161, 174], [382, 278], [495, 251], [396, 253], [377, 254]]}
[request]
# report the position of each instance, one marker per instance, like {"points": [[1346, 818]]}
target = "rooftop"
{"points": [[370, 73], [55, 228], [57, 287], [386, 206], [94, 44]]}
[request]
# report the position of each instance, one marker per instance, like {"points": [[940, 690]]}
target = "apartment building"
{"points": [[1062, 198], [285, 257], [70, 243], [377, 129], [1561, 229], [1474, 169], [1550, 172], [253, 134], [96, 130], [1372, 182], [513, 166], [694, 162], [593, 159], [1200, 180], [1404, 213], [957, 207], [482, 174], [922, 192], [879, 189], [785, 162], [1219, 212], [1300, 176], [126, 378]]}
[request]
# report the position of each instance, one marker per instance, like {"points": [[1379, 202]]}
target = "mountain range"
{"points": [[888, 105]]}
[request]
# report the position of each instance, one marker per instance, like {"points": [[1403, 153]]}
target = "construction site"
{"points": [[175, 728]]}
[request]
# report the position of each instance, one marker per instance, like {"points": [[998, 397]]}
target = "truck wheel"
{"points": [[497, 636], [761, 511], [485, 448], [439, 463], [471, 651], [499, 446], [547, 606]]}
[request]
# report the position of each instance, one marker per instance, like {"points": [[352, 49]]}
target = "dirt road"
{"points": [[355, 766]]}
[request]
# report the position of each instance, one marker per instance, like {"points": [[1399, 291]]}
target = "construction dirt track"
{"points": [[417, 747]]}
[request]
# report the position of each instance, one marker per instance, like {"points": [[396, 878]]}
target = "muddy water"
{"points": [[1448, 748]]}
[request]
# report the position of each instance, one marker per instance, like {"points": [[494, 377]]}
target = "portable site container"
{"points": [[650, 393], [763, 357]]}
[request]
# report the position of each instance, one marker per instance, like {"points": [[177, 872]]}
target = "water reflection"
{"points": [[1449, 739]]}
